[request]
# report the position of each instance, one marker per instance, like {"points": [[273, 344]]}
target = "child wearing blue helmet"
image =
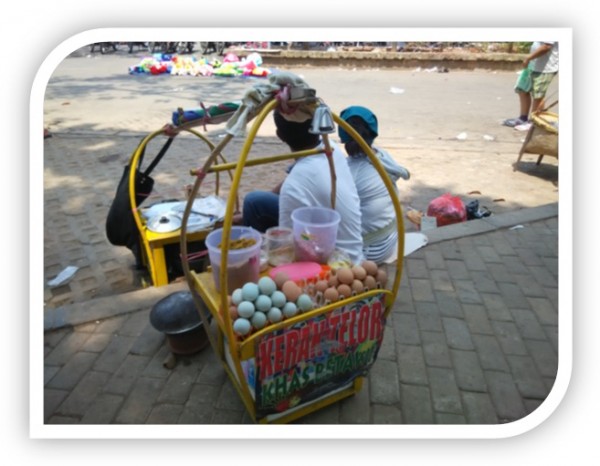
{"points": [[380, 235]]}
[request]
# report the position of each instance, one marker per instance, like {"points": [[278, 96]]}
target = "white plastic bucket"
{"points": [[315, 233]]}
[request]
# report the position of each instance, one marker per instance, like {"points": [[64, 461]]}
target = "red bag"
{"points": [[447, 209]]}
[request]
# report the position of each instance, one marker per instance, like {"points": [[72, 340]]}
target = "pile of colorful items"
{"points": [[231, 65]]}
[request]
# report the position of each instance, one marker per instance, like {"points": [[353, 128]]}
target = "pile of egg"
{"points": [[350, 281], [257, 305]]}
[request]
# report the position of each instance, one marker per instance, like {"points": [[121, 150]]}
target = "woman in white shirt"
{"points": [[379, 229]]}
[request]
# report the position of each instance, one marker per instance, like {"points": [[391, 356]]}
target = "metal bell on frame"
{"points": [[322, 122]]}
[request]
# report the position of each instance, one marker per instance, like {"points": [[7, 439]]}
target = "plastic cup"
{"points": [[243, 264], [279, 245], [315, 232]]}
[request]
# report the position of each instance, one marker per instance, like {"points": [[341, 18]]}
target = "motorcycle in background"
{"points": [[216, 47], [104, 47], [171, 47]]}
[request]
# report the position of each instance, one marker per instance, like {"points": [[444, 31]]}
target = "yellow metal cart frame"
{"points": [[282, 372], [154, 243]]}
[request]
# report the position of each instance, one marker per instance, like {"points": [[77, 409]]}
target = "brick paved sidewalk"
{"points": [[472, 339]]}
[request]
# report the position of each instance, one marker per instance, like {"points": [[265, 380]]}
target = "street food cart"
{"points": [[299, 363]]}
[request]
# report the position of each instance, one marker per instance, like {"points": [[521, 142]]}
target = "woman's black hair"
{"points": [[360, 126], [295, 134]]}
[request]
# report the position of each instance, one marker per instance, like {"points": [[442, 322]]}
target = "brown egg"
{"points": [[345, 276], [233, 313], [291, 290], [321, 286], [357, 286], [359, 272], [333, 281], [381, 277], [344, 290], [370, 282], [331, 294], [370, 267], [280, 278]]}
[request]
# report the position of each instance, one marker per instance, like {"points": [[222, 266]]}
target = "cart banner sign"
{"points": [[306, 361]]}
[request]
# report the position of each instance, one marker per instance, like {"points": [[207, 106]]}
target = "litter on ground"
{"points": [[64, 276]]}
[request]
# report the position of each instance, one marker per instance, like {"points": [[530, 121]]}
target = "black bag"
{"points": [[121, 229], [475, 212]]}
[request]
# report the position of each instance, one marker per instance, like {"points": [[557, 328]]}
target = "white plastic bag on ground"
{"points": [[64, 276]]}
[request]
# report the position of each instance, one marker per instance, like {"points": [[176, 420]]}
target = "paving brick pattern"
{"points": [[81, 176], [470, 343]]}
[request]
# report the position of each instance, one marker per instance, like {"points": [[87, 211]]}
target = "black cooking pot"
{"points": [[177, 317]]}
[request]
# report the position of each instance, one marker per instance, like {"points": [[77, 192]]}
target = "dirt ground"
{"points": [[444, 127], [421, 112]]}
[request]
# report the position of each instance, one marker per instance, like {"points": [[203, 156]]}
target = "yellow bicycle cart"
{"points": [[304, 363]]}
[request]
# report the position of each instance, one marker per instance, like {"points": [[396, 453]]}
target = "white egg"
{"points": [[290, 309], [236, 296], [275, 315], [242, 326], [267, 285], [246, 309], [263, 303], [259, 320], [304, 303], [250, 291], [278, 299]]}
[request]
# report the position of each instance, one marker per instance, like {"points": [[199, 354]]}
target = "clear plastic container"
{"points": [[315, 233], [243, 264], [279, 245]]}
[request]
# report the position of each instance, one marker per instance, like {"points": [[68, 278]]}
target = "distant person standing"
{"points": [[539, 69]]}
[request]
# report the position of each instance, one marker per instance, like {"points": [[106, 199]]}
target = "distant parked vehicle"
{"points": [[171, 47], [216, 47], [104, 47], [139, 45]]}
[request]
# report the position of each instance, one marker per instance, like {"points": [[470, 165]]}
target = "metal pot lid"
{"points": [[164, 223], [176, 313]]}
